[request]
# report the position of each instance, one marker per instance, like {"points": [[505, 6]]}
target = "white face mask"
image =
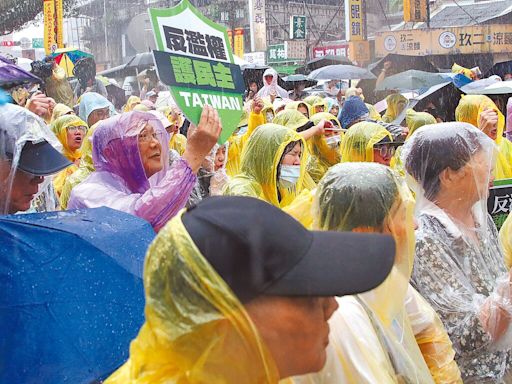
{"points": [[333, 141], [242, 130], [270, 117], [290, 174]]}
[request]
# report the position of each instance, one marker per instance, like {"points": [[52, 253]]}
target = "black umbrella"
{"points": [[289, 82], [141, 61]]}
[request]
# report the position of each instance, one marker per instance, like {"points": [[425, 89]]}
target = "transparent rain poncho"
{"points": [[415, 120], [92, 101], [322, 155], [261, 164], [60, 110], [357, 144], [273, 88], [85, 168], [196, 330], [315, 101], [59, 128], [119, 180], [459, 267], [18, 126], [385, 335], [468, 111]]}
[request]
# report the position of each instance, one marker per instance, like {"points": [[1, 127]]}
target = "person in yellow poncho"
{"points": [[300, 106], [178, 142], [61, 110], [481, 111], [70, 130], [388, 335], [414, 120], [367, 142], [396, 104], [272, 166], [232, 311], [325, 150], [253, 120], [85, 168], [506, 240], [317, 104], [131, 103]]}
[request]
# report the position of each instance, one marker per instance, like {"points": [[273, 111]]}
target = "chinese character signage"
{"points": [[359, 51], [335, 50], [492, 38], [52, 17], [297, 27], [258, 25], [355, 15], [499, 203], [194, 58], [238, 44], [276, 53], [415, 10], [50, 40]]}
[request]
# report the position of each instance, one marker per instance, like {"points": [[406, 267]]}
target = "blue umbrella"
{"points": [[72, 294]]}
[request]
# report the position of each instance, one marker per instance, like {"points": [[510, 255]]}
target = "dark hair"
{"points": [[287, 149], [429, 156]]}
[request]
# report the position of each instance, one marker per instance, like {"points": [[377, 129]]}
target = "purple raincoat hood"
{"points": [[116, 150]]}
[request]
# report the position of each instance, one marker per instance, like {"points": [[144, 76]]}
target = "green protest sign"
{"points": [[499, 202], [194, 58]]}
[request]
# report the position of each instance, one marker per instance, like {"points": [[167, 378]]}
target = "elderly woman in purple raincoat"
{"points": [[131, 158]]}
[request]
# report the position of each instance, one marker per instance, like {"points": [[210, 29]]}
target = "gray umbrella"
{"points": [[141, 61], [341, 72], [290, 81], [410, 80]]}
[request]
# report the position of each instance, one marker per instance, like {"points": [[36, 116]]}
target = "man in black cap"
{"points": [[237, 291], [26, 157]]}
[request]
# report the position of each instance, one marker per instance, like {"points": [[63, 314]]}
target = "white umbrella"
{"points": [[341, 72]]}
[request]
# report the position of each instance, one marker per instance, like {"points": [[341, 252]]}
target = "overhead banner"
{"points": [[499, 203], [59, 15], [355, 14], [258, 25], [415, 11], [238, 44], [50, 40], [492, 38], [195, 59]]}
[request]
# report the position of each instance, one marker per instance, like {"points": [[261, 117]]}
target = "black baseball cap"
{"points": [[41, 159], [260, 250]]}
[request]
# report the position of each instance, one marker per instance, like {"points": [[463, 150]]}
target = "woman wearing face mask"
{"points": [[481, 112], [272, 167], [325, 149], [459, 266], [132, 173], [367, 142], [388, 335], [316, 103]]}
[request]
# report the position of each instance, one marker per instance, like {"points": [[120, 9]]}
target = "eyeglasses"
{"points": [[74, 129], [146, 137], [386, 150], [102, 114]]}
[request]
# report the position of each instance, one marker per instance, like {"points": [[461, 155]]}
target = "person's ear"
{"points": [[450, 177]]}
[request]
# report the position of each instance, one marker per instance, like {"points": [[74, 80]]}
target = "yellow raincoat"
{"points": [[469, 109], [390, 334], [131, 103], [59, 128], [261, 159], [196, 330], [85, 168], [295, 106], [60, 110], [357, 144], [322, 156], [392, 111], [178, 142], [237, 142], [315, 101], [456, 68]]}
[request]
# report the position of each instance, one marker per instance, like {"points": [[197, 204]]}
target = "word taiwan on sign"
{"points": [[499, 202], [194, 58]]}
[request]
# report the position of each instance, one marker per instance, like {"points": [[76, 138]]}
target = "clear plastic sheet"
{"points": [[459, 267]]}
